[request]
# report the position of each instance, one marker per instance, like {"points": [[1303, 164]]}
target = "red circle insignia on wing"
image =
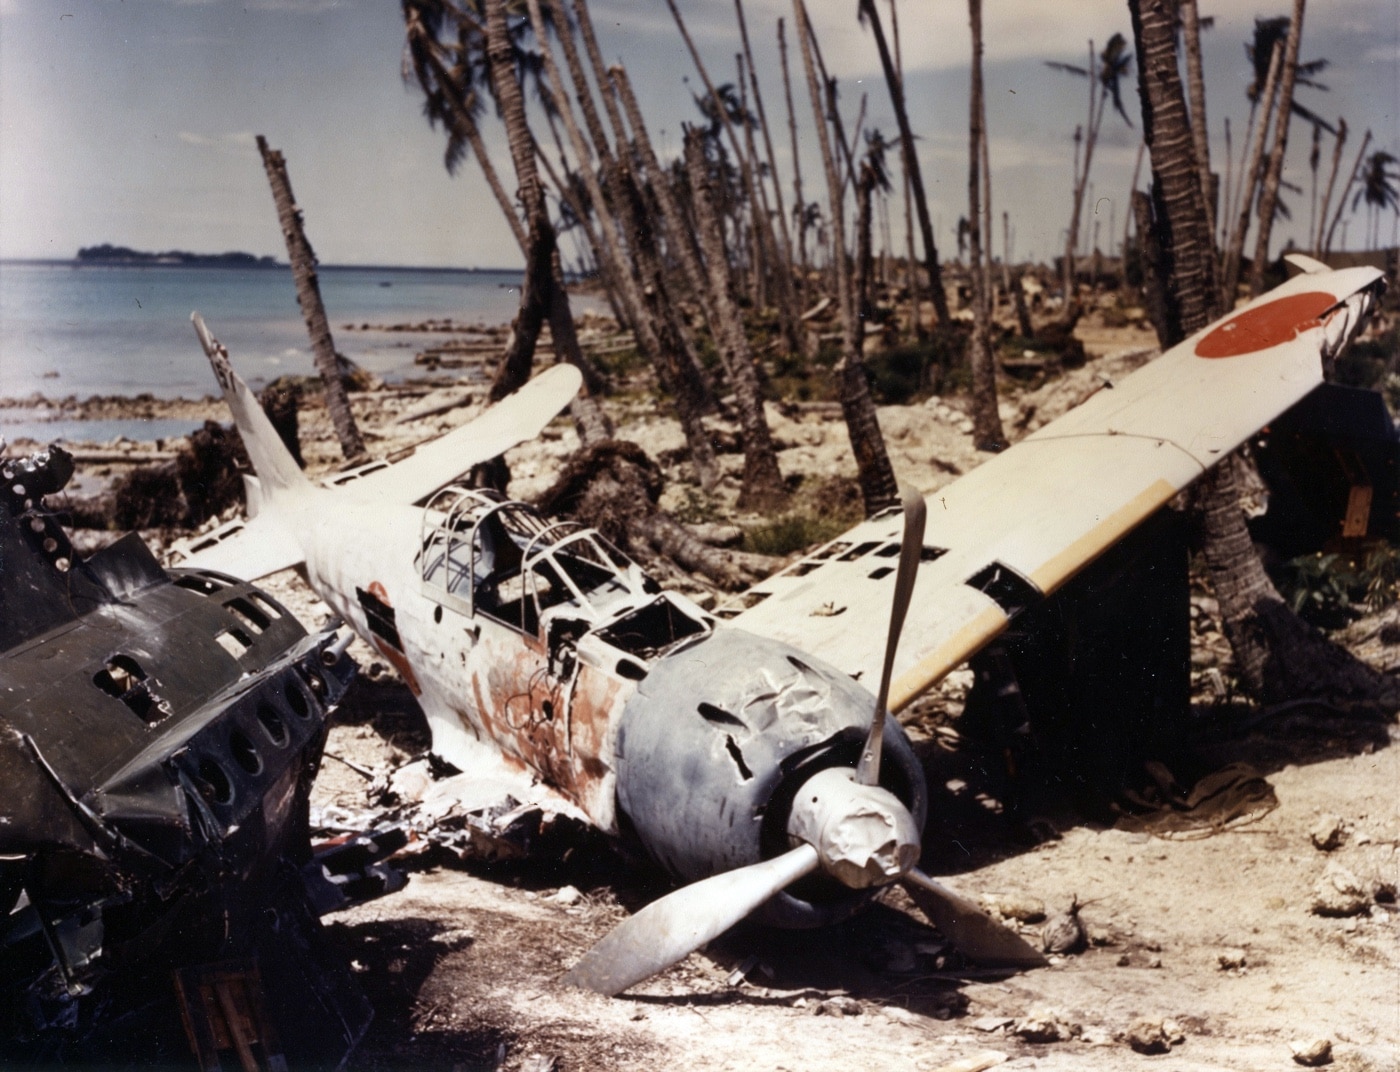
{"points": [[1265, 326]]}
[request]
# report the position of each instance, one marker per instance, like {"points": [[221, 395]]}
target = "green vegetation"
{"points": [[1330, 589]]}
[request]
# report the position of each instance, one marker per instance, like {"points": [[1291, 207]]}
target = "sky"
{"points": [[133, 121]]}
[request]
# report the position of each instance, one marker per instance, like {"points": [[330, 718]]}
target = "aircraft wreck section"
{"points": [[719, 740], [562, 627], [158, 740]]}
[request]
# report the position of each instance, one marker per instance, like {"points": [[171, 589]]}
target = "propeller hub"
{"points": [[864, 834]]}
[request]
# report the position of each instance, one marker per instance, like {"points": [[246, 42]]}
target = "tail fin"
{"points": [[274, 464]]}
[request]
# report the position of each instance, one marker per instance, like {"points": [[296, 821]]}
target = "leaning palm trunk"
{"points": [[877, 483], [1342, 202], [667, 352], [763, 483], [303, 261], [1277, 656], [765, 240], [1249, 180], [1273, 174], [1341, 141]]}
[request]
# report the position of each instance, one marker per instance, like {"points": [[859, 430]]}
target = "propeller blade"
{"points": [[671, 928], [910, 551], [968, 927]]}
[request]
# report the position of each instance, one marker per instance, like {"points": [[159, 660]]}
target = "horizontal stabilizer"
{"points": [[513, 420], [243, 549]]}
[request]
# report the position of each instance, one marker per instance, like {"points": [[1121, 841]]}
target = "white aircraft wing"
{"points": [[1022, 524], [244, 549], [510, 422]]}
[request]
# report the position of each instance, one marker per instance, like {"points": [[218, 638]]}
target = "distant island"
{"points": [[110, 254]]}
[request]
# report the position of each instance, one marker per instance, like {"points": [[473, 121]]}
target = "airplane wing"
{"points": [[511, 421], [1018, 527]]}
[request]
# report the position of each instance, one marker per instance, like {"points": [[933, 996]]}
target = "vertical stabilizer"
{"points": [[274, 464]]}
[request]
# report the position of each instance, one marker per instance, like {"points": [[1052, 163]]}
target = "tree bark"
{"points": [[1277, 655], [303, 261], [987, 433], [763, 483], [910, 159], [801, 205], [877, 482], [1200, 130], [1273, 174]]}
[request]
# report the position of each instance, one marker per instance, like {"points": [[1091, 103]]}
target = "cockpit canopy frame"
{"points": [[481, 553]]}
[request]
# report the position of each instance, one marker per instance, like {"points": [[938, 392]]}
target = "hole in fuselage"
{"points": [[735, 754]]}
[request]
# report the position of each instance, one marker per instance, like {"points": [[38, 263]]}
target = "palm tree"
{"points": [[1105, 75], [452, 78], [1342, 200], [986, 420], [762, 483], [1277, 656], [1378, 192], [877, 482], [1338, 143], [1269, 197], [303, 262], [868, 14]]}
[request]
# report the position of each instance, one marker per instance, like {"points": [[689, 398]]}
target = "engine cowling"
{"points": [[714, 746]]}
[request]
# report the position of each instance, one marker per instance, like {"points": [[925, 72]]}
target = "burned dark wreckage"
{"points": [[158, 739]]}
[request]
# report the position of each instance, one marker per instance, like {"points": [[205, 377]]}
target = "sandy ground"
{"points": [[1213, 942]]}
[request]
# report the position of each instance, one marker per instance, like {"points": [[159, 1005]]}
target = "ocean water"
{"points": [[124, 330]]}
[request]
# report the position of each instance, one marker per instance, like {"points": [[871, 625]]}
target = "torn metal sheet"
{"points": [[158, 740]]}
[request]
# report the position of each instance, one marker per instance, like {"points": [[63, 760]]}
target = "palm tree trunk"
{"points": [[763, 483], [1268, 202], [763, 226], [910, 159], [1249, 181], [1277, 656], [786, 261], [1200, 130], [303, 261], [548, 299], [1332, 185], [877, 482], [667, 352], [800, 206], [1342, 202], [987, 432]]}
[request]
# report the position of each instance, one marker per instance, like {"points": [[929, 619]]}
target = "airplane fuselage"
{"points": [[541, 647]]}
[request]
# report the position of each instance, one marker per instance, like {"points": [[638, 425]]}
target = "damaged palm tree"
{"points": [[1278, 656], [763, 483], [877, 482], [328, 362]]}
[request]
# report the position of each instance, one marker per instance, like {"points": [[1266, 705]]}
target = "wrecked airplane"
{"points": [[158, 741], [742, 750]]}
